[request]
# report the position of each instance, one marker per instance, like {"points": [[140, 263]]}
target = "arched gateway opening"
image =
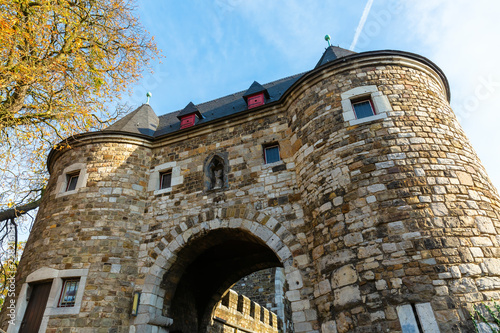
{"points": [[195, 268], [205, 268]]}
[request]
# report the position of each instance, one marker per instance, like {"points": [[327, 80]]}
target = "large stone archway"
{"points": [[241, 244]]}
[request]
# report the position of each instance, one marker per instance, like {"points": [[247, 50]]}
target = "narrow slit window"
{"points": [[68, 294], [165, 179], [363, 108], [72, 180], [272, 154]]}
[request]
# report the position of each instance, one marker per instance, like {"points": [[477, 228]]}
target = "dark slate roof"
{"points": [[331, 53], [225, 106], [141, 121], [189, 109], [255, 88], [144, 121]]}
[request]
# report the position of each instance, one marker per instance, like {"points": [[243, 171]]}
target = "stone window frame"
{"points": [[52, 308], [379, 101], [154, 177], [62, 180]]}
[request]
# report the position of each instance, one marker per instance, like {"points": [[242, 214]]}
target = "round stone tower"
{"points": [[401, 217], [355, 177], [88, 231]]}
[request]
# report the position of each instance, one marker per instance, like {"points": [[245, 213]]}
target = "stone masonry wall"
{"points": [[252, 186]]}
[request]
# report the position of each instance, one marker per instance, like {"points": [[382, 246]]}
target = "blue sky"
{"points": [[215, 48]]}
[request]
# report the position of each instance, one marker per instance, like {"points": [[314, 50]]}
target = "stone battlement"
{"points": [[237, 313]]}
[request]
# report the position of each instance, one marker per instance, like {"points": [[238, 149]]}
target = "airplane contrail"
{"points": [[361, 23]]}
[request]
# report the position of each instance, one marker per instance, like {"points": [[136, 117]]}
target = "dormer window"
{"points": [[255, 95], [256, 100], [188, 115], [187, 121]]}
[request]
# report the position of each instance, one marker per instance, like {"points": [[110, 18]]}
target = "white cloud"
{"points": [[361, 24]]}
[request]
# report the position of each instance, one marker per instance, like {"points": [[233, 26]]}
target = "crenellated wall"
{"points": [[237, 313]]}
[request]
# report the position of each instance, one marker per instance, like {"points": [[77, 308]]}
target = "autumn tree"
{"points": [[9, 260], [64, 64]]}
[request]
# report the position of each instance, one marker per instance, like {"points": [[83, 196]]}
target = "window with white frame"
{"points": [[364, 104], [71, 179], [65, 296], [165, 176]]}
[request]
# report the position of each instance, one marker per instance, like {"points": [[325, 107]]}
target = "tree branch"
{"points": [[14, 212]]}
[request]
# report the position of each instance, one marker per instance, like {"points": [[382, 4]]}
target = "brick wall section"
{"points": [[363, 218]]}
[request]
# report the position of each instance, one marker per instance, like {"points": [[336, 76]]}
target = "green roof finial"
{"points": [[327, 38], [148, 95]]}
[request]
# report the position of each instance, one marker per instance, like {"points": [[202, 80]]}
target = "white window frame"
{"points": [[52, 308], [380, 103], [154, 177], [62, 180]]}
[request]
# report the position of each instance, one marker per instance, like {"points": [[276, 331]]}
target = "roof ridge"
{"points": [[239, 92]]}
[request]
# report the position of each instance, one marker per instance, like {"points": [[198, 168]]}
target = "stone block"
{"points": [[344, 276], [492, 265], [485, 225], [329, 327], [348, 295]]}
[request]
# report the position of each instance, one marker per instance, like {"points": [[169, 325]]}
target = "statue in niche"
{"points": [[216, 173]]}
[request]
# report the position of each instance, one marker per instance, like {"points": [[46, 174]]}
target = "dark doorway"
{"points": [[205, 269], [36, 307]]}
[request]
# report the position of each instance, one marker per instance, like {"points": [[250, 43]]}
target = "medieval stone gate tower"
{"points": [[355, 177]]}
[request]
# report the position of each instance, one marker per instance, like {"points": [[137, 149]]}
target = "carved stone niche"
{"points": [[215, 172]]}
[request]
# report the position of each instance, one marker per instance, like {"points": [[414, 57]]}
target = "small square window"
{"points": [[71, 181], [68, 293], [272, 154], [363, 108], [165, 179]]}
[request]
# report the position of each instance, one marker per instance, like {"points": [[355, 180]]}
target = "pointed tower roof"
{"points": [[190, 109], [141, 121], [331, 53], [255, 88]]}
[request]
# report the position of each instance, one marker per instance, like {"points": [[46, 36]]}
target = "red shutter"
{"points": [[256, 100], [187, 121]]}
